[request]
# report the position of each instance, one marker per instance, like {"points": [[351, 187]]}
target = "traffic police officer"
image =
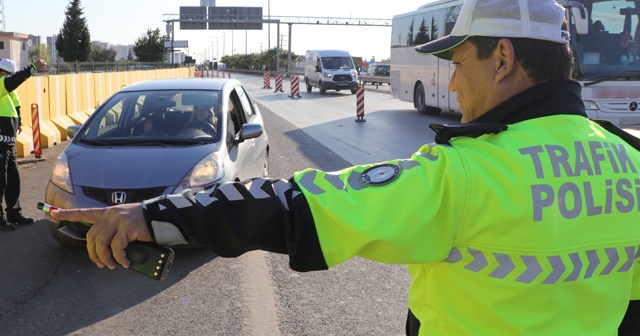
{"points": [[522, 221], [10, 126]]}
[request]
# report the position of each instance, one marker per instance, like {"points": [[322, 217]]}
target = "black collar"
{"points": [[543, 100], [549, 98]]}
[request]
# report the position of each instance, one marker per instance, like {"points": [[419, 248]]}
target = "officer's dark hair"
{"points": [[529, 52]]}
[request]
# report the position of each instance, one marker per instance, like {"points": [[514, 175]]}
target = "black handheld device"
{"points": [[149, 259]]}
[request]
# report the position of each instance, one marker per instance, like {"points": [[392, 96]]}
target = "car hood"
{"points": [[133, 167]]}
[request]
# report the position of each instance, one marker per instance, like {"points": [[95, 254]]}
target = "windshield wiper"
{"points": [[159, 142], [627, 75], [95, 142]]}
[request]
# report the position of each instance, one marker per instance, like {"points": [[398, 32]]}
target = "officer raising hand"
{"points": [[520, 221]]}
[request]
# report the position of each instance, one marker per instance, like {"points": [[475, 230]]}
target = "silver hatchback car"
{"points": [[155, 138]]}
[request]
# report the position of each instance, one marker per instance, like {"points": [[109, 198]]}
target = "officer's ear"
{"points": [[505, 59]]}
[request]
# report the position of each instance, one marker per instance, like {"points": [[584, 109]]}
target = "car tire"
{"points": [[323, 91], [419, 101], [354, 91], [306, 81]]}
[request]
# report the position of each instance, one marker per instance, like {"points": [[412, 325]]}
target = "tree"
{"points": [[74, 41], [423, 34], [100, 54], [39, 51], [150, 47], [130, 55]]}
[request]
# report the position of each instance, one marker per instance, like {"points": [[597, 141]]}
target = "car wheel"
{"points": [[63, 238], [322, 89], [265, 169], [354, 91], [419, 101], [306, 81]]}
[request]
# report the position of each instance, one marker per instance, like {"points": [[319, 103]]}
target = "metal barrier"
{"points": [[279, 84], [35, 124], [360, 103], [295, 88], [267, 81]]}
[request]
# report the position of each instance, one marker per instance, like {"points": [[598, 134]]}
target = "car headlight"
{"points": [[205, 172], [61, 176], [328, 75]]}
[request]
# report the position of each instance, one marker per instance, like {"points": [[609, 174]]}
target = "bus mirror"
{"points": [[579, 14]]}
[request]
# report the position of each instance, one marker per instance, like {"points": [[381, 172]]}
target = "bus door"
{"points": [[446, 99]]}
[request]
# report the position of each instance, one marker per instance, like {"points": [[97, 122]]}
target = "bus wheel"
{"points": [[419, 101]]}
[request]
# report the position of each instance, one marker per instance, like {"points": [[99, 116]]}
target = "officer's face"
{"points": [[473, 80]]}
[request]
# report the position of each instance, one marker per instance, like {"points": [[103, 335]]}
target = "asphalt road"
{"points": [[50, 289]]}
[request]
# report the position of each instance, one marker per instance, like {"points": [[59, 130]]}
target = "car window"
{"points": [[247, 107], [153, 115]]}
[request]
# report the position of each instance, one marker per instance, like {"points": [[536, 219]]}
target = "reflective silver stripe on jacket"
{"points": [[308, 180], [546, 269]]}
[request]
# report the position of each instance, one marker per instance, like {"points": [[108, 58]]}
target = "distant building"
{"points": [[51, 43], [122, 51], [15, 46], [211, 3], [103, 45], [34, 40]]}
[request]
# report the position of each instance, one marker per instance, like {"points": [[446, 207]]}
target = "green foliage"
{"points": [[150, 47], [40, 51], [74, 41], [265, 60], [99, 54]]}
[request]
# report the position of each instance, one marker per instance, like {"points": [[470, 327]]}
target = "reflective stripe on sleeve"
{"points": [[546, 270]]}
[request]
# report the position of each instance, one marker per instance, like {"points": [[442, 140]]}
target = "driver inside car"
{"points": [[204, 119]]}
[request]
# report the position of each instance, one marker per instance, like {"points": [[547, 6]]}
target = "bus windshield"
{"points": [[610, 49]]}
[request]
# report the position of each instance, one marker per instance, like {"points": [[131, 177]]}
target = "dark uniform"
{"points": [[9, 174]]}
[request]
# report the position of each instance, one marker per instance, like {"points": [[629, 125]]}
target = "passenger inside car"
{"points": [[204, 119], [154, 125]]}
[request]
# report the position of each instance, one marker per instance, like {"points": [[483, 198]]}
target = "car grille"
{"points": [[131, 195], [340, 78]]}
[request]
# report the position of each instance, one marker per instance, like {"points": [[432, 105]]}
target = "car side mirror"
{"points": [[317, 68], [72, 130], [250, 131]]}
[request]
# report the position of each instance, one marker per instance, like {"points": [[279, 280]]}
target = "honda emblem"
{"points": [[118, 197]]}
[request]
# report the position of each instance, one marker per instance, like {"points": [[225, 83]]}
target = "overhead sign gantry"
{"points": [[250, 18]]}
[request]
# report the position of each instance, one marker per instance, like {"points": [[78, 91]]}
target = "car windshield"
{"points": [[337, 63], [382, 70], [155, 117]]}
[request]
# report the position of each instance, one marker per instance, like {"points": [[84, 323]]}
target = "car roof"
{"points": [[181, 84]]}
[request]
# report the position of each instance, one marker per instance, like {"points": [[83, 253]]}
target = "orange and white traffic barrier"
{"points": [[279, 84], [267, 81], [35, 124], [228, 74], [360, 103], [295, 87]]}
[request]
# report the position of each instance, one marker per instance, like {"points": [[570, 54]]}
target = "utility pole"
{"points": [[2, 27]]}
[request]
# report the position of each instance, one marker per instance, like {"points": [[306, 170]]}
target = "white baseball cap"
{"points": [[8, 65], [534, 19]]}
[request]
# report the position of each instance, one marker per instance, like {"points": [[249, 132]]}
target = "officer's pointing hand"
{"points": [[113, 228], [40, 64]]}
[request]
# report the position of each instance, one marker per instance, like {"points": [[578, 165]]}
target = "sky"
{"points": [[123, 21]]}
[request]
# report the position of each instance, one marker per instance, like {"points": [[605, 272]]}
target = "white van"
{"points": [[330, 70]]}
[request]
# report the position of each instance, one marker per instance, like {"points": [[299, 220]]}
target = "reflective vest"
{"points": [[531, 231], [7, 101]]}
